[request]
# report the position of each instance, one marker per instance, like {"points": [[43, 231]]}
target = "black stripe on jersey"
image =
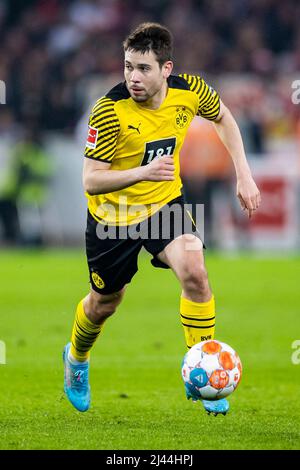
{"points": [[102, 115], [108, 155], [119, 92], [205, 99], [103, 103], [102, 149], [105, 146], [105, 120], [175, 81], [212, 115], [105, 125], [199, 87], [194, 81], [102, 121], [107, 130], [98, 159], [211, 112]]}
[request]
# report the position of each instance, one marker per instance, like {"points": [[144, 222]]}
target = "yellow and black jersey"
{"points": [[126, 135]]}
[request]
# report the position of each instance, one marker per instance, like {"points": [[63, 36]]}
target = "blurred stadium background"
{"points": [[56, 58]]}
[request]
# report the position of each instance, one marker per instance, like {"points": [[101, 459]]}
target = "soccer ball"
{"points": [[211, 370]]}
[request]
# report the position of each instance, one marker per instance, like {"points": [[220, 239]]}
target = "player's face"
{"points": [[144, 76]]}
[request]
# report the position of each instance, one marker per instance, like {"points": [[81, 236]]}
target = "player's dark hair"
{"points": [[151, 37]]}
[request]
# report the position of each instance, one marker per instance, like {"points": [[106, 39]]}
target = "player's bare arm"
{"points": [[229, 133], [99, 178]]}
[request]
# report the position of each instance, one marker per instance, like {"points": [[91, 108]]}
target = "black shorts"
{"points": [[112, 252]]}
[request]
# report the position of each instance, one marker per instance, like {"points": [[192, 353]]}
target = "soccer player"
{"points": [[131, 176]]}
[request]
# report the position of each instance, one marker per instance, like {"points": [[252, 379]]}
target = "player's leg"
{"points": [[184, 255], [90, 316], [182, 250], [112, 263], [91, 313], [175, 243]]}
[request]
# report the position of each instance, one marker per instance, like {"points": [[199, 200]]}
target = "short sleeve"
{"points": [[208, 98], [103, 131]]}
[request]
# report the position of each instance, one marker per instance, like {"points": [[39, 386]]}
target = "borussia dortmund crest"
{"points": [[97, 280], [181, 118]]}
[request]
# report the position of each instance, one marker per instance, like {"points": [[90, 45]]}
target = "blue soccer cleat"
{"points": [[211, 406], [216, 407], [76, 382]]}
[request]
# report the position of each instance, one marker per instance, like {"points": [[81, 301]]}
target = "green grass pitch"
{"points": [[138, 399]]}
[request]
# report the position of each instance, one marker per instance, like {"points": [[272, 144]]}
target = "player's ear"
{"points": [[167, 68]]}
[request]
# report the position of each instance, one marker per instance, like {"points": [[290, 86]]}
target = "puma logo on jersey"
{"points": [[135, 128]]}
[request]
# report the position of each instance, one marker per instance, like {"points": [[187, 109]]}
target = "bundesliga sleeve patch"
{"points": [[91, 142]]}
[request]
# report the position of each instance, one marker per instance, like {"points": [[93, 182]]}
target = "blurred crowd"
{"points": [[48, 48]]}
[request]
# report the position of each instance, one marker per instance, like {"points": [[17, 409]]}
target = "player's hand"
{"points": [[160, 169], [248, 194]]}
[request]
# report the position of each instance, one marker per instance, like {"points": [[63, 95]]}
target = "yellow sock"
{"points": [[84, 335], [198, 320]]}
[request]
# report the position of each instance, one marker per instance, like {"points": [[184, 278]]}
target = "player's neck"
{"points": [[156, 101]]}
